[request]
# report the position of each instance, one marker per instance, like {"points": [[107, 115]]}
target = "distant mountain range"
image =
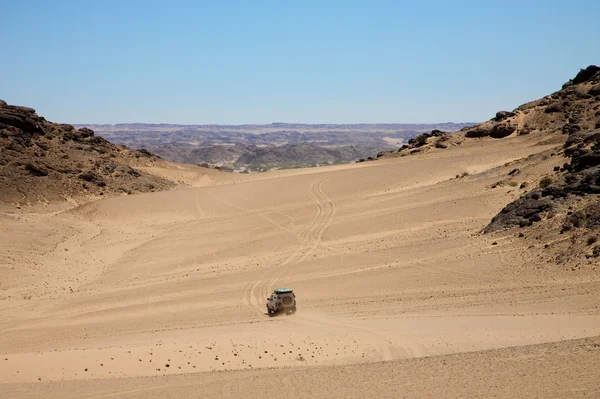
{"points": [[264, 147]]}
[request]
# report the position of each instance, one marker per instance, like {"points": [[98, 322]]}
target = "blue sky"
{"points": [[289, 61]]}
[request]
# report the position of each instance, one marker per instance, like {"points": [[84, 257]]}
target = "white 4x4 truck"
{"points": [[281, 300]]}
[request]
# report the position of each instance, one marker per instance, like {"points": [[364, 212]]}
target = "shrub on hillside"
{"points": [[421, 140], [546, 181]]}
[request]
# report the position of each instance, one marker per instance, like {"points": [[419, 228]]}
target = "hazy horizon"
{"points": [[253, 63], [276, 123]]}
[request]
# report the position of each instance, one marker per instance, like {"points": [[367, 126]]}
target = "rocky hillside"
{"points": [[574, 108], [42, 161], [563, 208], [565, 205]]}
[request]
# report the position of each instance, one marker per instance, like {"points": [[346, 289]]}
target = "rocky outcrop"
{"points": [[421, 143], [45, 161], [574, 108], [502, 130], [502, 115], [522, 212], [591, 73]]}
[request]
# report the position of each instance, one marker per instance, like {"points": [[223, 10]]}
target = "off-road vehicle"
{"points": [[281, 300]]}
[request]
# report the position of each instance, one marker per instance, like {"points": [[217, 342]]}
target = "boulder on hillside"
{"points": [[580, 139], [22, 118], [555, 107], [570, 128], [501, 115], [478, 131], [521, 212], [502, 130]]}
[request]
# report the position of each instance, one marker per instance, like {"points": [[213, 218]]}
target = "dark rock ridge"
{"points": [[571, 109], [422, 142], [45, 161], [574, 108]]}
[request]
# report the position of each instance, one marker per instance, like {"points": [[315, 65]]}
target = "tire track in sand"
{"points": [[310, 236]]}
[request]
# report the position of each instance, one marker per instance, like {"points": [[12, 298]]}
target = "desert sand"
{"points": [[399, 294]]}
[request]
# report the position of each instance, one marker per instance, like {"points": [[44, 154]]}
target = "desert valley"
{"points": [[462, 265]]}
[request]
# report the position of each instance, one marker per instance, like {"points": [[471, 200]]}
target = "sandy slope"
{"points": [[385, 258]]}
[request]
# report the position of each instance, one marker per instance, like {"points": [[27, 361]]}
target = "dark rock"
{"points": [[20, 118], [524, 131], [594, 91], [84, 132], [584, 160], [145, 153], [24, 110], [42, 145], [521, 212], [570, 128], [586, 74], [36, 170], [582, 138], [556, 107], [502, 130], [440, 145], [92, 177], [133, 172], [501, 115], [3, 103], [478, 131]]}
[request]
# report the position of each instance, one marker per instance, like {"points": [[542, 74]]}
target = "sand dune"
{"points": [[162, 294]]}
